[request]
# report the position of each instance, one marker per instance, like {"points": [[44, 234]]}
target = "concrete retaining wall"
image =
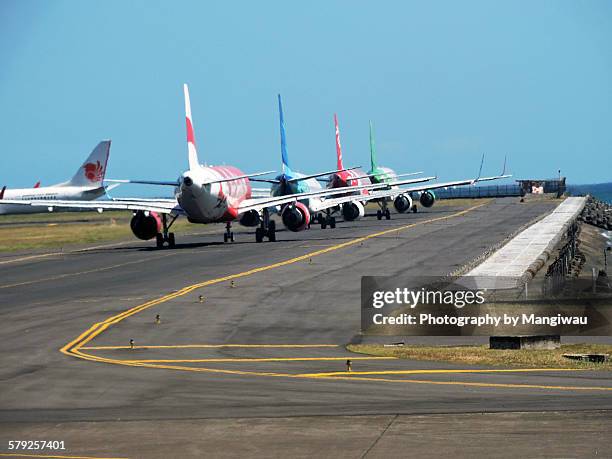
{"points": [[525, 254]]}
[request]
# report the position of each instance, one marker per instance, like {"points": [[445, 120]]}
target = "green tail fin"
{"points": [[373, 160]]}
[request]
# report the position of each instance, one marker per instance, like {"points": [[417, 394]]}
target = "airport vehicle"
{"points": [[204, 194], [86, 184]]}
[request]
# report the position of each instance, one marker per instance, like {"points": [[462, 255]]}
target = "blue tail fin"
{"points": [[283, 138]]}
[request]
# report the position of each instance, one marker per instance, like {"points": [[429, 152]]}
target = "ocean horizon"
{"points": [[601, 191]]}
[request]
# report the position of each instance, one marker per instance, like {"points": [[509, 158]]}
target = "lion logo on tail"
{"points": [[94, 171]]}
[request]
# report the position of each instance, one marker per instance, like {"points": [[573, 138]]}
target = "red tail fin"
{"points": [[338, 146], [37, 185], [2, 192]]}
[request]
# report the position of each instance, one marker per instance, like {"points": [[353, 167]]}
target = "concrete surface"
{"points": [[192, 365]]}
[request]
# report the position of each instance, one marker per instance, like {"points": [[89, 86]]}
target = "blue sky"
{"points": [[443, 81]]}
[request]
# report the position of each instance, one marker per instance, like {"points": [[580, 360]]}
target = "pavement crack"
{"points": [[367, 451]]}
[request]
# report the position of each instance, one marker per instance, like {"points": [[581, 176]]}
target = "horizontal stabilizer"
{"points": [[321, 174], [145, 182], [239, 177], [395, 175]]}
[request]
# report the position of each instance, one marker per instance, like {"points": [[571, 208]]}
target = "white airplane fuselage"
{"points": [[44, 193], [302, 186], [206, 202]]}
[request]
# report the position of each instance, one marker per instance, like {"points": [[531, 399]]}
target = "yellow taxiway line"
{"points": [[100, 327], [435, 371], [210, 346], [74, 348], [474, 384], [257, 359]]}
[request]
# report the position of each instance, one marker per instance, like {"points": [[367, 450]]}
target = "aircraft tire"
{"points": [[159, 240], [259, 234]]}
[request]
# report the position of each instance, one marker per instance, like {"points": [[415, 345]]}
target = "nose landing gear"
{"points": [[383, 212], [327, 220], [229, 234]]}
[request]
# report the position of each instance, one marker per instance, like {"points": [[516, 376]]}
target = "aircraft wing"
{"points": [[495, 177], [388, 193], [404, 182], [395, 176], [169, 206], [272, 201], [260, 192], [320, 174], [162, 206]]}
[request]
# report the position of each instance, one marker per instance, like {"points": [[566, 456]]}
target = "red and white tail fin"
{"points": [[92, 171], [191, 145], [338, 146]]}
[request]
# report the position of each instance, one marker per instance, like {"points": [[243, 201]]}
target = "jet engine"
{"points": [[427, 198], [402, 203], [250, 218], [352, 210], [145, 225], [296, 216]]}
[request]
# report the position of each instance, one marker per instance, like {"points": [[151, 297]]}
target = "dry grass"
{"points": [[482, 355], [41, 231], [45, 217]]}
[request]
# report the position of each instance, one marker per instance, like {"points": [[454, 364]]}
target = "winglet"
{"points": [[373, 160], [480, 170], [37, 185], [283, 138], [504, 169], [338, 146], [191, 145]]}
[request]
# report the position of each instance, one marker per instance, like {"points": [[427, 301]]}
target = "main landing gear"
{"points": [[326, 220], [267, 228], [228, 236], [165, 236]]}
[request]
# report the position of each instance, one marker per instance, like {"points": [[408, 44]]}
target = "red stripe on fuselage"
{"points": [[234, 191], [353, 177]]}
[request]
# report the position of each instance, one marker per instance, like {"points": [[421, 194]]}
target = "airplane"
{"points": [[352, 205], [354, 208], [203, 194], [381, 175], [86, 184], [291, 182]]}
